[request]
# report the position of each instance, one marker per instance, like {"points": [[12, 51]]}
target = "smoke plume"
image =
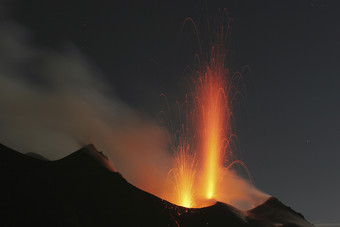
{"points": [[55, 102]]}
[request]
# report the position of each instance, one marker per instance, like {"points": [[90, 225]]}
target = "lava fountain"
{"points": [[204, 139], [214, 119]]}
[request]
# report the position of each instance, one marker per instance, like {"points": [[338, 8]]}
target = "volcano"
{"points": [[83, 189]]}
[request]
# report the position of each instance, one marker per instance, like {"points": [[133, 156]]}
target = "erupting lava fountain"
{"points": [[203, 143]]}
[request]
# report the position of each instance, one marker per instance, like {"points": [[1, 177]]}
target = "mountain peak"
{"points": [[91, 151]]}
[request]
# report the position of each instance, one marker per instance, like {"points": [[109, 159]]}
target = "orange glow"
{"points": [[184, 175], [204, 137], [214, 112], [184, 172]]}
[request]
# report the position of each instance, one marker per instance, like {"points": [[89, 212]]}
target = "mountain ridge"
{"points": [[82, 190]]}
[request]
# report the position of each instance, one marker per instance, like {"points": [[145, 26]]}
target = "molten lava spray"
{"points": [[204, 141], [214, 119], [184, 174]]}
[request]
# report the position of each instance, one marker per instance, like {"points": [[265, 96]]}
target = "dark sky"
{"points": [[289, 125]]}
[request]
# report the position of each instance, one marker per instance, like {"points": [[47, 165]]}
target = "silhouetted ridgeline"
{"points": [[82, 189]]}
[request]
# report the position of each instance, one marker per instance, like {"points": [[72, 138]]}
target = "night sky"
{"points": [[288, 125]]}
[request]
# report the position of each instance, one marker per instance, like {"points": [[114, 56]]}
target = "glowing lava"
{"points": [[207, 131], [214, 115], [184, 174]]}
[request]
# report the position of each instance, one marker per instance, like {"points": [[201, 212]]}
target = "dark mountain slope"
{"points": [[82, 190]]}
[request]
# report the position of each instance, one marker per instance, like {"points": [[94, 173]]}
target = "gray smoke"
{"points": [[55, 102]]}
